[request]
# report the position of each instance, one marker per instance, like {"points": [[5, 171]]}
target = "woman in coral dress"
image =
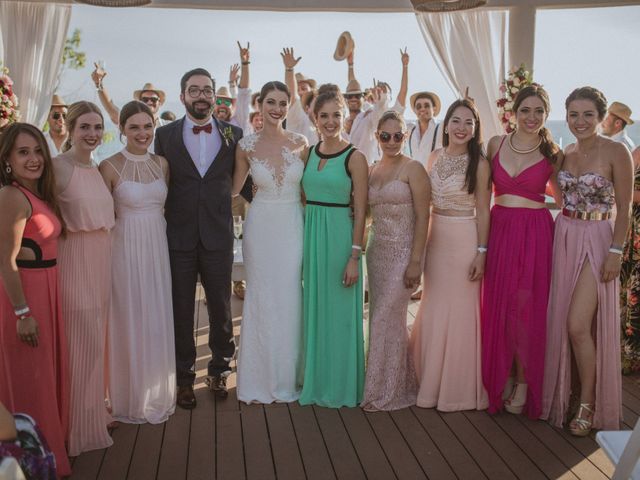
{"points": [[85, 275], [446, 336], [33, 346], [399, 202], [584, 308]]}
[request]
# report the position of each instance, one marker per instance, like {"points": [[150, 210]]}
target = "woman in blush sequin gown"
{"points": [[399, 202], [584, 310], [446, 335]]}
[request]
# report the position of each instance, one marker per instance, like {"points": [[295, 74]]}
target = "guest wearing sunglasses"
{"points": [[399, 201], [57, 134]]}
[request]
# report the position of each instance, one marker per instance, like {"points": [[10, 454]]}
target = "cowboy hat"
{"points": [[344, 47], [434, 98], [148, 87], [620, 110], [353, 87], [223, 92], [58, 101], [300, 78]]}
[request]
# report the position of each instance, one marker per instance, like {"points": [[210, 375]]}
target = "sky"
{"points": [[573, 48]]}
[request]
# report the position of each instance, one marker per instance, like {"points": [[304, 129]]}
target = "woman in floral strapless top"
{"points": [[583, 315]]}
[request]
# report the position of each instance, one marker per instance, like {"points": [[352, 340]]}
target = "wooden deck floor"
{"points": [[226, 439]]}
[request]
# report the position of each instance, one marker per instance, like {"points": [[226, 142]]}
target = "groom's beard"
{"points": [[199, 109]]}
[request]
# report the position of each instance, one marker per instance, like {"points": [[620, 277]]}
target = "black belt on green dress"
{"points": [[327, 204]]}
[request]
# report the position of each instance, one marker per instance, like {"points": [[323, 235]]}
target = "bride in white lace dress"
{"points": [[271, 333]]}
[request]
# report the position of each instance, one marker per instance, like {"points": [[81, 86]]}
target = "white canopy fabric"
{"points": [[469, 49], [33, 36]]}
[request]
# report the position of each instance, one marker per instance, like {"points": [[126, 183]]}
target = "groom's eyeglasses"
{"points": [[194, 92], [386, 136], [223, 101]]}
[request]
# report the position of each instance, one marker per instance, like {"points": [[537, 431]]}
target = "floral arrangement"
{"points": [[8, 101], [516, 80]]}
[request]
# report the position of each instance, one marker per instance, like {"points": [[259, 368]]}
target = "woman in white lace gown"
{"points": [[271, 334], [141, 346]]}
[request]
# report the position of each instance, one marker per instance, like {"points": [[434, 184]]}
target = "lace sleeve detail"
{"points": [[297, 139], [248, 143]]}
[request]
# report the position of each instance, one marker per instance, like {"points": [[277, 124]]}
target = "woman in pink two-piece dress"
{"points": [[518, 269], [85, 275], [584, 314]]}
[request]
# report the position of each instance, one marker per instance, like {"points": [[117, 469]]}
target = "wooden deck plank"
{"points": [[564, 450], [481, 451], [343, 456], [588, 447], [175, 446], [400, 456], [229, 444], [518, 462], [284, 446], [144, 461], [544, 458], [457, 456], [315, 457], [372, 457], [419, 442], [202, 437], [118, 457], [257, 448], [87, 465]]}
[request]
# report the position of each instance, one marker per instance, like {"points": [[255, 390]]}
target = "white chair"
{"points": [[623, 449], [10, 470]]}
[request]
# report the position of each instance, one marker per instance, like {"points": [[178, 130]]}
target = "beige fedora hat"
{"points": [[353, 87], [434, 98], [344, 47], [620, 110], [58, 101], [223, 92], [300, 78], [148, 87]]}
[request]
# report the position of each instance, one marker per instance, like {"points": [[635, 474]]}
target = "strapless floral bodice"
{"points": [[392, 211], [590, 192]]}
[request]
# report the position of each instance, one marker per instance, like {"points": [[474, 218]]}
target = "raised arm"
{"points": [[351, 75], [401, 98], [97, 76], [245, 60], [359, 171], [421, 195], [290, 61]]}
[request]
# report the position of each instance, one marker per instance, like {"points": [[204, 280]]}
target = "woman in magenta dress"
{"points": [[584, 309], [33, 346], [518, 268]]}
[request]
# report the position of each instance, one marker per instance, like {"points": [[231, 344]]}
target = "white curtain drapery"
{"points": [[33, 36], [469, 49]]}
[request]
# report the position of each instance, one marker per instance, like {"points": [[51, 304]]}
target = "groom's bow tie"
{"points": [[208, 128]]}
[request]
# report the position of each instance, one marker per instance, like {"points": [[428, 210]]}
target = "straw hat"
{"points": [[620, 110], [300, 78], [434, 98], [58, 101], [353, 87], [148, 87], [344, 47], [223, 92]]}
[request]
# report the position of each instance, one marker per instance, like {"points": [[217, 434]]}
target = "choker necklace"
{"points": [[523, 152]]}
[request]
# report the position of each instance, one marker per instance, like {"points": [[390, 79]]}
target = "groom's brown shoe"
{"points": [[186, 397]]}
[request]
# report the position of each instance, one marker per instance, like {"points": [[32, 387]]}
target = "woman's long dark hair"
{"points": [[548, 147], [474, 147]]}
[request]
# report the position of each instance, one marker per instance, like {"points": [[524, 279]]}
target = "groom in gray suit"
{"points": [[200, 151]]}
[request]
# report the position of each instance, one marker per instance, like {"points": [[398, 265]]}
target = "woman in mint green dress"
{"points": [[335, 179]]}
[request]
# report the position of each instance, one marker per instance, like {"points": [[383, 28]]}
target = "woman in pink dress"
{"points": [[33, 346], [399, 202], [518, 268], [85, 275], [583, 320], [446, 335]]}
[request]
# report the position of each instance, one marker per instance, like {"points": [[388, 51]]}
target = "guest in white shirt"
{"points": [[299, 117], [614, 124], [57, 134], [425, 135]]}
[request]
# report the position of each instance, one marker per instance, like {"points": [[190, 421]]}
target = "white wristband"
{"points": [[22, 311], [356, 247], [482, 249], [615, 250]]}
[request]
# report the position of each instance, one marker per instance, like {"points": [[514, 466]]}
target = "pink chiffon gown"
{"points": [[34, 380], [85, 279], [516, 285], [578, 241]]}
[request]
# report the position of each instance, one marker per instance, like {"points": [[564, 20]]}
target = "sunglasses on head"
{"points": [[384, 137], [58, 116], [223, 101], [153, 100]]}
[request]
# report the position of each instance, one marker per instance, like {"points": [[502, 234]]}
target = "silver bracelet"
{"points": [[22, 311], [356, 247], [617, 251], [482, 249]]}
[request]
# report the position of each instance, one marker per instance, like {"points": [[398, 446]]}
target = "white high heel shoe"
{"points": [[515, 403]]}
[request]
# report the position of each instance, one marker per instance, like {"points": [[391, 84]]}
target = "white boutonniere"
{"points": [[227, 134]]}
